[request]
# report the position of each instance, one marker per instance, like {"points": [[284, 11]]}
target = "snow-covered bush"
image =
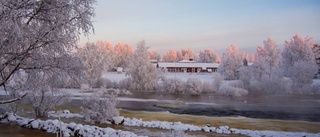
{"points": [[174, 85], [212, 86], [245, 76], [233, 91], [46, 99], [207, 86], [103, 82], [194, 86], [100, 107], [316, 86], [125, 84], [271, 85], [217, 82]]}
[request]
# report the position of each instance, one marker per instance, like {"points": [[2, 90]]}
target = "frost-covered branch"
{"points": [[13, 100]]}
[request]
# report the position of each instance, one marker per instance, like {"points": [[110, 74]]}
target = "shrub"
{"points": [[233, 91], [194, 86], [45, 100], [174, 85], [217, 82], [207, 86], [100, 107], [125, 84]]}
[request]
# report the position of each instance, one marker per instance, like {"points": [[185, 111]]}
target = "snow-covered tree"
{"points": [[178, 55], [35, 34], [297, 49], [154, 55], [100, 107], [194, 86], [46, 99], [42, 85], [123, 53], [208, 56], [299, 62], [251, 58], [304, 71], [230, 64], [185, 54], [44, 90], [95, 59], [170, 56], [110, 50], [141, 71], [244, 55], [316, 52], [267, 60]]}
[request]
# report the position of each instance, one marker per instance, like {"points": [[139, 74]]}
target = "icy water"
{"points": [[283, 107]]}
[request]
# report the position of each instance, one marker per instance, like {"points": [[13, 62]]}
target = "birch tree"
{"points": [[230, 63], [316, 52], [267, 60], [36, 34], [95, 59], [141, 71], [299, 63], [208, 56], [123, 53], [170, 56]]}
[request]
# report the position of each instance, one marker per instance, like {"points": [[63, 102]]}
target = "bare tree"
{"points": [[36, 34]]}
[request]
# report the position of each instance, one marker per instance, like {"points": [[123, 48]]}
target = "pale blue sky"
{"points": [[201, 24]]}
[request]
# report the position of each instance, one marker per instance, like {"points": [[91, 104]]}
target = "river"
{"points": [[283, 107]]}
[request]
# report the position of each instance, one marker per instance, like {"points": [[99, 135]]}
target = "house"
{"points": [[187, 66]]}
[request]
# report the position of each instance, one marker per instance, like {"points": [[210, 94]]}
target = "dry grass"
{"points": [[234, 122]]}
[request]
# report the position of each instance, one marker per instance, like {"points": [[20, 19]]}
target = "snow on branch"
{"points": [[13, 100]]}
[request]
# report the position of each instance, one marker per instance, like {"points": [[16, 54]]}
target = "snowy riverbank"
{"points": [[72, 129]]}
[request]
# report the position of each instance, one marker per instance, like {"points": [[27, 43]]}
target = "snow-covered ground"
{"points": [[183, 76], [67, 129], [53, 126]]}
